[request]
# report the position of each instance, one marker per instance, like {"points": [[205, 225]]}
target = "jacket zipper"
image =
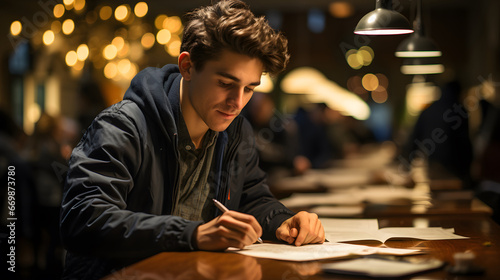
{"points": [[176, 175], [224, 185]]}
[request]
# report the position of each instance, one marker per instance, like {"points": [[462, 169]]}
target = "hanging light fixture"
{"points": [[418, 45], [422, 66], [383, 21]]}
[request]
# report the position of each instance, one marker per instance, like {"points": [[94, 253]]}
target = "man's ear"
{"points": [[185, 65]]}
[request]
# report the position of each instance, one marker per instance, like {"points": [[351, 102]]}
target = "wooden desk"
{"points": [[484, 242]]}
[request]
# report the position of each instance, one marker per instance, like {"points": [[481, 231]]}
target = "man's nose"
{"points": [[236, 98]]}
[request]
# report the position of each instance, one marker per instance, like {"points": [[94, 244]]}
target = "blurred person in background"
{"points": [[49, 148], [441, 137], [486, 138], [276, 138], [314, 143]]}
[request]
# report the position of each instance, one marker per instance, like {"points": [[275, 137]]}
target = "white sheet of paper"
{"points": [[349, 225], [343, 230], [313, 252]]}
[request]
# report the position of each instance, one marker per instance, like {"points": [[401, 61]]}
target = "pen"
{"points": [[224, 209]]}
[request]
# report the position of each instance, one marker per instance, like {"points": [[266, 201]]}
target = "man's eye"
{"points": [[222, 84], [247, 89]]}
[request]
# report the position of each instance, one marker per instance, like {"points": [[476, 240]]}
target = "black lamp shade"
{"points": [[418, 46], [383, 21]]}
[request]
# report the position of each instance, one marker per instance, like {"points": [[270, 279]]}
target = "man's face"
{"points": [[223, 87]]}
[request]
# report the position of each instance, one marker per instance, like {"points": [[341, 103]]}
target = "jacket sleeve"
{"points": [[257, 199], [94, 217]]}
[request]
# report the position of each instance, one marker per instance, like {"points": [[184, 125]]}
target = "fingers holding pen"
{"points": [[241, 226], [231, 229]]}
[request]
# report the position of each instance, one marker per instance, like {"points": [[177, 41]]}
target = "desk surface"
{"points": [[484, 242]]}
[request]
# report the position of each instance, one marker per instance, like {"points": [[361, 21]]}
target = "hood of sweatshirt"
{"points": [[156, 92]]}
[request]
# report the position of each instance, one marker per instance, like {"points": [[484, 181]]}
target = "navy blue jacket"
{"points": [[122, 181]]}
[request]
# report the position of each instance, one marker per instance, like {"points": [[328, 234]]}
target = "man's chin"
{"points": [[221, 126]]}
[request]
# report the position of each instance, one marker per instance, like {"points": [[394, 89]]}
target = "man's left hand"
{"points": [[303, 228]]}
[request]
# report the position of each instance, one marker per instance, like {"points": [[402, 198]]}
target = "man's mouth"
{"points": [[227, 115]]}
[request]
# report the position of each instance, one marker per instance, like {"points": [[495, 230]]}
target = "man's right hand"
{"points": [[231, 229]]}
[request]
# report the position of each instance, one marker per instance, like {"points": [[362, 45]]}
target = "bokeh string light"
{"points": [[113, 38]]}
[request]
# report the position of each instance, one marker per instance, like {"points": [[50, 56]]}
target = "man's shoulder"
{"points": [[123, 111]]}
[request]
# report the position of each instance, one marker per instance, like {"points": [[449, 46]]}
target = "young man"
{"points": [[142, 179]]}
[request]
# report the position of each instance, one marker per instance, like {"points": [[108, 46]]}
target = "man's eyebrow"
{"points": [[229, 76]]}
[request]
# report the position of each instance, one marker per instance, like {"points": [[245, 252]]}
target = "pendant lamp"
{"points": [[383, 21], [422, 66], [418, 45]]}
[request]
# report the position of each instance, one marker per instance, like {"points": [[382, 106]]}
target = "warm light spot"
{"points": [[163, 36], [317, 88], [118, 42], [148, 40], [383, 80], [266, 84], [174, 48], [136, 51], [48, 37], [82, 52], [349, 52], [79, 65], [124, 51], [69, 4], [34, 112], [422, 69], [124, 66], [71, 58], [59, 10], [368, 49], [370, 82], [56, 26], [68, 26], [173, 24], [159, 21], [380, 95], [105, 12], [110, 52], [418, 53], [354, 85], [110, 70], [121, 13], [131, 72], [141, 9], [341, 9], [16, 27], [79, 5], [354, 61], [365, 57]]}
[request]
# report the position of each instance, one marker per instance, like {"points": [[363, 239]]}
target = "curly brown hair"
{"points": [[230, 25]]}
